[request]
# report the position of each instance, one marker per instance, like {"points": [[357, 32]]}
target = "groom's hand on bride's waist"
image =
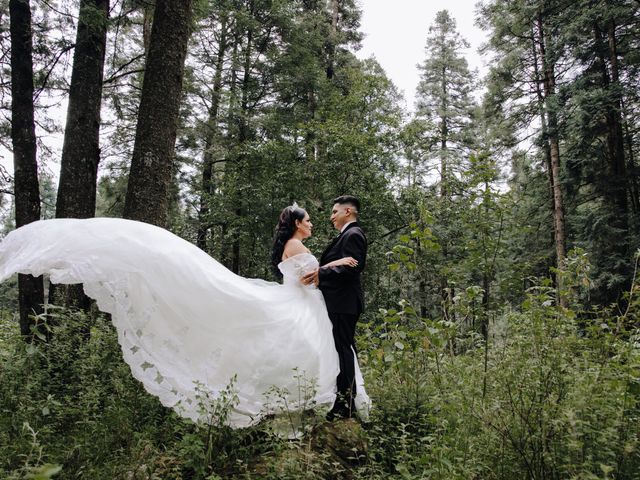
{"points": [[310, 278]]}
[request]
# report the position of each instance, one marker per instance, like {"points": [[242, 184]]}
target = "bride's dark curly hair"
{"points": [[285, 229]]}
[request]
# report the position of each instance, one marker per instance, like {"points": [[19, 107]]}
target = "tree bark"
{"points": [[613, 185], [333, 40], [23, 136], [632, 168], [151, 171], [446, 291], [212, 135], [549, 82], [617, 165], [545, 130], [231, 134], [81, 147], [147, 23], [444, 136], [243, 134]]}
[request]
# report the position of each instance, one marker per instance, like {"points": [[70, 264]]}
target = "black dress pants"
{"points": [[344, 328]]}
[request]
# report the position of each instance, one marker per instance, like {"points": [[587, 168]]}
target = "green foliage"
{"points": [[442, 131], [589, 45], [70, 408], [72, 400], [549, 396]]}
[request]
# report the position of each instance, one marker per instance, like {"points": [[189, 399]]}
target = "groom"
{"points": [[342, 290]]}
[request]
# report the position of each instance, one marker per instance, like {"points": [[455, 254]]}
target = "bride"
{"points": [[192, 331]]}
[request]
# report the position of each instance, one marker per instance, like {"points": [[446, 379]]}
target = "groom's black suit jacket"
{"points": [[342, 285]]}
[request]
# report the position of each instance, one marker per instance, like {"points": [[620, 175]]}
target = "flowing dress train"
{"points": [[188, 327]]}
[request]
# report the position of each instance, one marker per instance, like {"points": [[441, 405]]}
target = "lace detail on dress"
{"points": [[296, 266]]}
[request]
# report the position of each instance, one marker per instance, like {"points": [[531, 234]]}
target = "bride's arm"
{"points": [[348, 261], [312, 277]]}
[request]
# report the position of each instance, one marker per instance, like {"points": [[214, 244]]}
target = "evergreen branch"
{"points": [[115, 75], [492, 268], [5, 175], [59, 12], [113, 78], [53, 65], [390, 232], [633, 285]]}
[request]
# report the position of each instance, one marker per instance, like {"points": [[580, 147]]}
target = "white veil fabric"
{"points": [[189, 328]]}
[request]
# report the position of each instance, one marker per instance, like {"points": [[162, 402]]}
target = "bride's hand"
{"points": [[310, 278], [348, 261]]}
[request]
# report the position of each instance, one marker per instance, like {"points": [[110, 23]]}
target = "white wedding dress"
{"points": [[186, 324]]}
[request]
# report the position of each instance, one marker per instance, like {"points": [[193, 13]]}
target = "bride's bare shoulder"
{"points": [[293, 247]]}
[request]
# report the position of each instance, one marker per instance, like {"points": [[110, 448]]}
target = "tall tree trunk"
{"points": [[231, 134], [632, 168], [615, 189], [81, 147], [538, 80], [444, 135], [147, 23], [333, 38], [549, 82], [310, 140], [613, 185], [446, 293], [210, 141], [243, 135], [617, 166], [23, 136], [151, 171]]}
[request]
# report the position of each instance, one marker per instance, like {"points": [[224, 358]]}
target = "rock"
{"points": [[330, 450], [344, 440]]}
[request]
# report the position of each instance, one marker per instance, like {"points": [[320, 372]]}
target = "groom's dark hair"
{"points": [[348, 200]]}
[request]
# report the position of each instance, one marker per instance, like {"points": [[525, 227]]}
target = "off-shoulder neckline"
{"points": [[296, 255]]}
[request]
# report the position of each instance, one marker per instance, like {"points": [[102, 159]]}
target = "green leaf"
{"points": [[409, 310], [403, 471], [36, 331], [44, 472], [606, 469]]}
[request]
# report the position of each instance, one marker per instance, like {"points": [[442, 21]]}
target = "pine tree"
{"points": [[81, 148], [154, 150], [27, 196], [528, 39], [601, 165], [445, 107], [215, 48], [444, 97]]}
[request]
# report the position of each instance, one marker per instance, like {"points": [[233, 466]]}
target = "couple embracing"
{"points": [[188, 326], [338, 278]]}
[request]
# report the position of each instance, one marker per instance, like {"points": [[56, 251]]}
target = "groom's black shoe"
{"points": [[341, 409], [334, 415]]}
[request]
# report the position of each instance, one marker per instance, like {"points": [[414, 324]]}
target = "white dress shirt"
{"points": [[346, 225]]}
